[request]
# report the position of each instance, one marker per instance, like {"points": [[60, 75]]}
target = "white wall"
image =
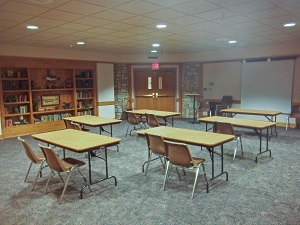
{"points": [[105, 86], [222, 79]]}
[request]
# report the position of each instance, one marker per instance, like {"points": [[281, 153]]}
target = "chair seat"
{"points": [[197, 161], [40, 156], [71, 162]]}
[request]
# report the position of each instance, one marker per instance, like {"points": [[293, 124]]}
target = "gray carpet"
{"points": [[266, 192]]}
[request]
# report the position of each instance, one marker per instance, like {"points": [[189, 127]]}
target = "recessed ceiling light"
{"points": [[32, 27], [153, 51], [289, 24], [156, 45], [80, 42], [161, 26], [232, 41]]}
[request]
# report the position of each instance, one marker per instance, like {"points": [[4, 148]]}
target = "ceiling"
{"points": [[129, 26]]}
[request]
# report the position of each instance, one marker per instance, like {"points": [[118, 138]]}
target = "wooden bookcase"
{"points": [[38, 93]]}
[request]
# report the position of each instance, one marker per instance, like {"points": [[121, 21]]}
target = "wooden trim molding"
{"points": [[106, 103]]}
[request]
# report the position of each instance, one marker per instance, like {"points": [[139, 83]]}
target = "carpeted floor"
{"points": [[266, 192]]}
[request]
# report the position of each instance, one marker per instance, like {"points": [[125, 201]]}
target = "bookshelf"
{"points": [[38, 93]]}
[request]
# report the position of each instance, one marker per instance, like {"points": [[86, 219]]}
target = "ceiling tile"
{"points": [[82, 8], [252, 6], [186, 20], [138, 7], [6, 15], [113, 15], [168, 3], [107, 3], [27, 9], [194, 7], [75, 26], [64, 16], [164, 14]]}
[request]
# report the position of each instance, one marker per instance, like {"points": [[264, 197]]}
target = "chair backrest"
{"points": [[68, 124], [76, 126], [295, 111], [132, 119], [52, 159], [152, 120], [29, 152], [223, 128], [156, 144], [226, 100], [179, 154], [204, 106], [219, 108]]}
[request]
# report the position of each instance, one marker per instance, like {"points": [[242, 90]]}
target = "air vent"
{"points": [[152, 57]]}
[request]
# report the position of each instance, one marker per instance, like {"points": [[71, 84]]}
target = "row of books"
{"points": [[17, 98], [86, 112], [85, 74], [83, 94], [15, 85], [54, 117]]}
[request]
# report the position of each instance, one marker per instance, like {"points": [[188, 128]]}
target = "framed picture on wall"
{"points": [[49, 100]]}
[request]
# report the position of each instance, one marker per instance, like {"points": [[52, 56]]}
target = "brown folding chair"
{"points": [[179, 155], [226, 128], [134, 123], [204, 107], [225, 103], [156, 146], [76, 126], [35, 158], [68, 124], [66, 165], [295, 113], [152, 121]]}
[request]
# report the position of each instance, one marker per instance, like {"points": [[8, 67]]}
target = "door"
{"points": [[155, 90]]}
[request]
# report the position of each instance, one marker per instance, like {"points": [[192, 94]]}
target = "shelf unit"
{"points": [[36, 96]]}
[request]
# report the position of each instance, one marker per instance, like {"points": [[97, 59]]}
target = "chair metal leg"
{"points": [[65, 187], [236, 148], [28, 171], [37, 175], [148, 163], [287, 122], [166, 174], [238, 139], [49, 178], [196, 178], [178, 173]]}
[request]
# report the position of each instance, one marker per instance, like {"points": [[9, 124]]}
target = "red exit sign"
{"points": [[155, 66]]}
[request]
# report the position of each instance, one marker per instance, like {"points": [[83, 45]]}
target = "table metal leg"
{"points": [[260, 144], [213, 164], [90, 173]]}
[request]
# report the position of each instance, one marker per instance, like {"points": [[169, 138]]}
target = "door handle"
{"points": [[152, 95], [156, 95]]}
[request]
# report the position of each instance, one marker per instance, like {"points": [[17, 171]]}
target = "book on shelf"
{"points": [[9, 123], [23, 109], [21, 98]]}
